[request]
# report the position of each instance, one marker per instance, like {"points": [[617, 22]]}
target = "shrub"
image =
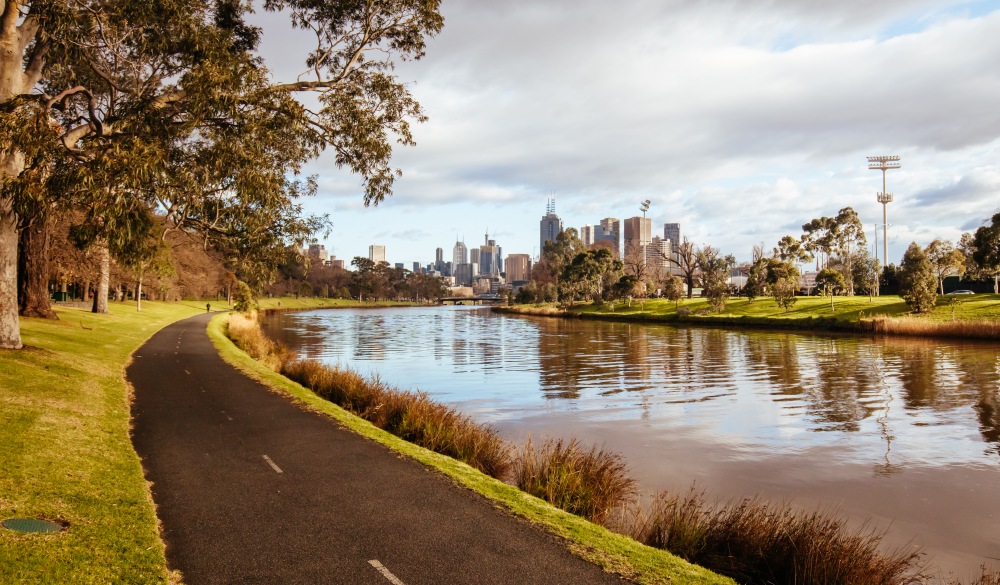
{"points": [[917, 281], [757, 543], [590, 483]]}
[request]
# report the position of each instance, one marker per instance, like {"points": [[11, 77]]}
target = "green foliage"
{"points": [[782, 278], [917, 281], [830, 281], [756, 284], [945, 259], [673, 289], [590, 271], [715, 276], [243, 298], [986, 249]]}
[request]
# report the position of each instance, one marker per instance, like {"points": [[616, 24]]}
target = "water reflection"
{"points": [[906, 430]]}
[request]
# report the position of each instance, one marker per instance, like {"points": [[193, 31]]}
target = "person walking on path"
{"points": [[251, 488]]}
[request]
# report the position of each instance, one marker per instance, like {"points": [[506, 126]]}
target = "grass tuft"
{"points": [[588, 482], [755, 542]]}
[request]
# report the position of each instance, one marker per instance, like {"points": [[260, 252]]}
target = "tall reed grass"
{"points": [[884, 325], [587, 482], [755, 542], [409, 415]]}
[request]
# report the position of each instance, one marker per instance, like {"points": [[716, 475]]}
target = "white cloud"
{"points": [[742, 120]]}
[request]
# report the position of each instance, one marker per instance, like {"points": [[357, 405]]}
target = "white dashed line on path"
{"points": [[385, 572], [271, 463]]}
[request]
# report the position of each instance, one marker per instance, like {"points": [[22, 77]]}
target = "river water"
{"points": [[901, 433]]}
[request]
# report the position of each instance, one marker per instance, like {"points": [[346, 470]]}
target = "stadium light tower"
{"points": [[644, 206], [884, 163]]}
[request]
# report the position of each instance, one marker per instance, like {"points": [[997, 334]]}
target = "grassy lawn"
{"points": [[807, 310], [65, 451], [595, 543]]}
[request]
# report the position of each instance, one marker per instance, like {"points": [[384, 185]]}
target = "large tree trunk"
{"points": [[10, 326], [33, 268], [104, 264], [138, 294]]}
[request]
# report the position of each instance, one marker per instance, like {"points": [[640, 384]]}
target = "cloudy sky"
{"points": [[739, 119]]}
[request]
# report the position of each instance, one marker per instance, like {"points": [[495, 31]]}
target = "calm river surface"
{"points": [[902, 432]]}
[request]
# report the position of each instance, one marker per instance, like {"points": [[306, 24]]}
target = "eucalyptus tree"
{"points": [[715, 270], [841, 235], [686, 257], [791, 249], [986, 250], [165, 105], [945, 259], [782, 278]]}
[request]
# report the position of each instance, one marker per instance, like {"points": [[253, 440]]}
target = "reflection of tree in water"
{"points": [[979, 380], [841, 394], [777, 357]]}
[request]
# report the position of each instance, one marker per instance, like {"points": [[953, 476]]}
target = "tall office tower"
{"points": [[399, 266], [638, 234], [474, 259], [518, 268], [658, 256], [489, 258], [611, 231], [550, 226], [376, 253], [463, 274], [672, 232], [460, 254], [416, 268], [439, 260], [587, 235]]}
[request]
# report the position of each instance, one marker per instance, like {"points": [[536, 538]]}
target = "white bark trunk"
{"points": [[10, 325], [101, 294], [138, 295]]}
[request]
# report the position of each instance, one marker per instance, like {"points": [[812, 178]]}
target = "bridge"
{"points": [[476, 300]]}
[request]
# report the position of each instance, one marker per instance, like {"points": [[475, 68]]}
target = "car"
{"points": [[961, 292]]}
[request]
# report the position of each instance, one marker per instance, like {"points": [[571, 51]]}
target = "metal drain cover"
{"points": [[31, 525]]}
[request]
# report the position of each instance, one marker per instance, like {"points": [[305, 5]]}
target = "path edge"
{"points": [[612, 552]]}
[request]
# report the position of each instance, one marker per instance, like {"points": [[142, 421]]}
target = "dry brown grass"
{"points": [[588, 482], [759, 543], [246, 334], [409, 415], [967, 329]]}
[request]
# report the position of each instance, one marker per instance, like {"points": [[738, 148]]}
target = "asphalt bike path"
{"points": [[251, 488]]}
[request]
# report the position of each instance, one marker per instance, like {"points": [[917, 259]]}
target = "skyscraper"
{"points": [[439, 260], [672, 232], [587, 235], [658, 256], [376, 253], [460, 254], [638, 234], [489, 258], [518, 268], [550, 226]]}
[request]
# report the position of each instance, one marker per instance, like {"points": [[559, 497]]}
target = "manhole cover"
{"points": [[30, 525]]}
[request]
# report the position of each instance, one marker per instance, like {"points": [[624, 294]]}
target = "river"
{"points": [[903, 433]]}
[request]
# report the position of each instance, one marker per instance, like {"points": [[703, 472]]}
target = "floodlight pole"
{"points": [[884, 163]]}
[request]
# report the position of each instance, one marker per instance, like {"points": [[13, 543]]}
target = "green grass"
{"points": [[65, 452], [807, 313], [613, 552]]}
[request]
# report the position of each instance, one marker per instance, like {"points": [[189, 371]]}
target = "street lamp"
{"points": [[884, 163]]}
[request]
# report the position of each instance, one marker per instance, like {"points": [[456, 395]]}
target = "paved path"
{"points": [[253, 489]]}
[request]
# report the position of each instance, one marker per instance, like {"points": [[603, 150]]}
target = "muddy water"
{"points": [[904, 433]]}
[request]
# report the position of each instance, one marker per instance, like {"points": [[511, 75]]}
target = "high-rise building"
{"points": [[518, 268], [460, 254], [550, 226], [610, 231], [416, 268], [489, 258], [376, 253], [400, 266], [474, 260], [638, 234], [337, 263], [587, 235], [439, 260], [658, 256], [672, 232]]}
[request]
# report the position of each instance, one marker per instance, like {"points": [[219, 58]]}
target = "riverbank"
{"points": [[65, 448], [970, 317]]}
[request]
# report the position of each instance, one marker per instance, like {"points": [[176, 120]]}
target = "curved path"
{"points": [[253, 489]]}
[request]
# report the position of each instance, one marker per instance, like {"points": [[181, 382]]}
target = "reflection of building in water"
{"points": [[370, 338]]}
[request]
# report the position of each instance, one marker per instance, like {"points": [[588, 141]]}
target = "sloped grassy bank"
{"points": [[750, 540], [972, 317]]}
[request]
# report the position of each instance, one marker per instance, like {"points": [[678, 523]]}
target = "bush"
{"points": [[757, 543], [243, 299], [590, 483], [917, 281]]}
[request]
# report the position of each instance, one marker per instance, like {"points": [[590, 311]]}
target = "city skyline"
{"points": [[739, 122]]}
